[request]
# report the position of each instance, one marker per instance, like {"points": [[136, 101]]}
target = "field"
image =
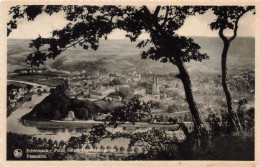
{"points": [[122, 55]]}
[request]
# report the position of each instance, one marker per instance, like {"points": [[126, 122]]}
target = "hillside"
{"points": [[58, 106], [121, 55]]}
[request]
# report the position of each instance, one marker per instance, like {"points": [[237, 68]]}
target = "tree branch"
{"points": [[166, 16], [236, 26], [222, 35], [235, 31], [73, 44], [157, 10], [146, 10]]}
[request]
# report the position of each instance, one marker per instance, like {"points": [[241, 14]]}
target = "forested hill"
{"points": [[120, 55], [57, 107]]}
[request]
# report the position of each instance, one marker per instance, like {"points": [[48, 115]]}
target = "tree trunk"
{"points": [[231, 116], [185, 78], [166, 42]]}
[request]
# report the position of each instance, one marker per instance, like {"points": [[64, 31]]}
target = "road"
{"points": [[29, 83], [13, 121]]}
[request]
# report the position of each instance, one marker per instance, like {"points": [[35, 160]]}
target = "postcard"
{"points": [[127, 83]]}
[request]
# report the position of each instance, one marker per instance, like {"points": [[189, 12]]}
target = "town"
{"points": [[109, 90]]}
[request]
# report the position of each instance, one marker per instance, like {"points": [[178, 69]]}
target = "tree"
{"points": [[133, 111], [61, 143], [55, 142], [109, 148], [129, 149], [173, 108], [87, 24], [29, 87], [136, 150], [87, 147], [83, 139], [34, 139], [74, 142], [162, 118], [40, 141], [122, 149], [228, 18], [102, 148], [116, 148], [115, 82], [95, 146], [50, 142]]}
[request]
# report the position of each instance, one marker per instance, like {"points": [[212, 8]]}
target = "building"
{"points": [[155, 87], [103, 92], [113, 98], [30, 70], [139, 91]]}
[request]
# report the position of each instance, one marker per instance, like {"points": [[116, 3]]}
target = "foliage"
{"points": [[133, 111], [23, 142], [87, 24], [221, 147], [173, 108], [219, 122], [228, 18], [102, 147], [157, 104], [226, 147], [93, 22], [116, 148], [115, 82]]}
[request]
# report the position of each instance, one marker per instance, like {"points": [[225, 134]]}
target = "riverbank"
{"points": [[26, 98], [13, 121], [55, 124]]}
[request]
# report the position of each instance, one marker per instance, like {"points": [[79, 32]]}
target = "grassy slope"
{"points": [[123, 55]]}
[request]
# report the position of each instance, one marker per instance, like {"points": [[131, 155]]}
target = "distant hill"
{"points": [[121, 55]]}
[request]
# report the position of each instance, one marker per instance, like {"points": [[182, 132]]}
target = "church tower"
{"points": [[155, 87]]}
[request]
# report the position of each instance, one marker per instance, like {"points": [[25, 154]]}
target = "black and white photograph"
{"points": [[130, 83]]}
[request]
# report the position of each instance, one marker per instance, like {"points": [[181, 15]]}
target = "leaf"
{"points": [[85, 47]]}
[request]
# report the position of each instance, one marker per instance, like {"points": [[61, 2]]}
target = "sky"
{"points": [[194, 26]]}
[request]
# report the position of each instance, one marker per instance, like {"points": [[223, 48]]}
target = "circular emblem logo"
{"points": [[18, 153]]}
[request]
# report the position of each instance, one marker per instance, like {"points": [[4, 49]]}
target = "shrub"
{"points": [[122, 149]]}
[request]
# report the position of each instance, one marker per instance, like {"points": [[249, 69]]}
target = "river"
{"points": [[15, 126], [62, 130]]}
